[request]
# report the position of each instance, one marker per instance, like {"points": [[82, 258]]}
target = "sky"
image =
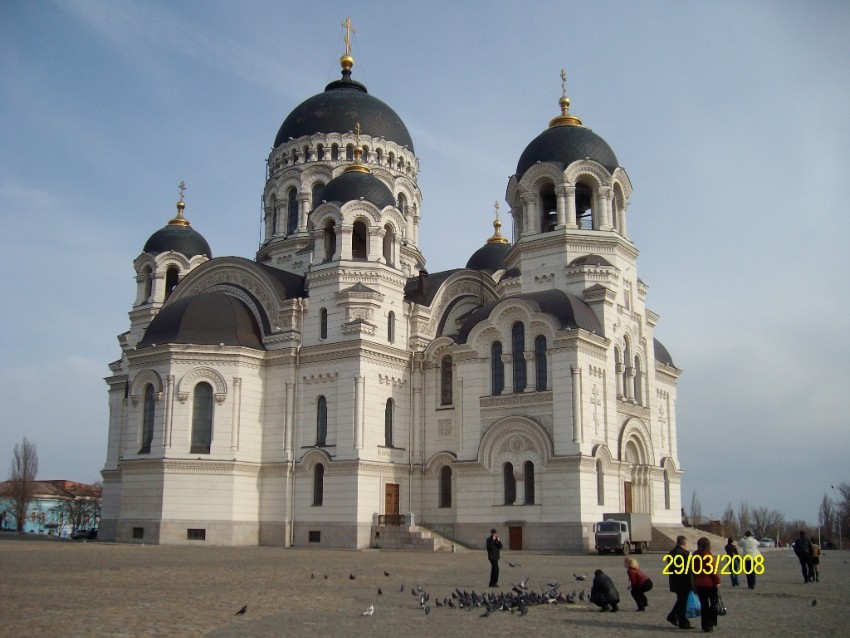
{"points": [[730, 118]]}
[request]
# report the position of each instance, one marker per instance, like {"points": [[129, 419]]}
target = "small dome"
{"points": [[336, 110], [354, 185], [661, 353], [205, 319], [563, 145], [489, 258], [590, 260], [180, 239]]}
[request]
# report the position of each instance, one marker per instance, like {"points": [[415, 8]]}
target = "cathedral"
{"points": [[331, 391]]}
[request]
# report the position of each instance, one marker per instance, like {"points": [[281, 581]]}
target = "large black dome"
{"points": [[563, 145], [354, 185], [342, 104], [489, 258], [180, 239]]}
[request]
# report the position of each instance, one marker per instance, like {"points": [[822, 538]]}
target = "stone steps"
{"points": [[664, 538]]}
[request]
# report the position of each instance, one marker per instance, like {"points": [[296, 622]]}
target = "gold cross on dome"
{"points": [[357, 133], [182, 188], [348, 31], [563, 83], [496, 206]]}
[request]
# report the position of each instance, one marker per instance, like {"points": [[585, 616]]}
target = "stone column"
{"points": [[529, 213], [343, 241], [415, 411], [629, 383], [605, 220], [561, 199], [578, 426], [622, 221], [416, 219], [169, 405], [359, 381], [570, 195], [304, 200], [530, 371], [237, 404], [289, 419], [508, 373]]}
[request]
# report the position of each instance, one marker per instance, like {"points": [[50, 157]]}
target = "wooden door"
{"points": [[391, 503], [627, 496], [515, 538]]}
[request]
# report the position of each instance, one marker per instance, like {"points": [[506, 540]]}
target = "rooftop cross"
{"points": [[181, 187], [348, 31], [564, 82]]}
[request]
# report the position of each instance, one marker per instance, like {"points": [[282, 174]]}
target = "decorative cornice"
{"points": [[511, 400]]}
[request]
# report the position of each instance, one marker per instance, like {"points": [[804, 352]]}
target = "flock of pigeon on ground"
{"points": [[517, 600]]}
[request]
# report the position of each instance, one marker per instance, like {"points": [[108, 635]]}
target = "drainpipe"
{"points": [[291, 433]]}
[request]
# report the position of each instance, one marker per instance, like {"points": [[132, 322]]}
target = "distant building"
{"points": [[332, 385], [57, 507]]}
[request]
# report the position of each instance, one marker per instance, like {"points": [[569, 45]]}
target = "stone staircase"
{"points": [[664, 538], [412, 537]]}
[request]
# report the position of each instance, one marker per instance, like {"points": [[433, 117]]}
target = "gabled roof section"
{"points": [[423, 288]]}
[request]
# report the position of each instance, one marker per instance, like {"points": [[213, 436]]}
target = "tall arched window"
{"points": [[320, 152], [330, 239], [666, 490], [446, 381], [638, 383], [402, 203], [172, 278], [318, 187], [497, 369], [202, 419], [540, 363], [323, 323], [359, 241], [389, 239], [618, 373], [147, 274], [334, 152], [391, 327], [510, 483], [528, 479], [349, 152], [318, 484], [321, 421], [518, 342], [548, 208], [584, 207], [445, 496], [292, 212], [306, 153], [379, 156], [388, 423], [148, 409], [600, 484]]}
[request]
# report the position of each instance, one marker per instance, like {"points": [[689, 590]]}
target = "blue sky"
{"points": [[731, 119]]}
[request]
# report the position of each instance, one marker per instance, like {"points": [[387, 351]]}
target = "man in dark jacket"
{"points": [[805, 553], [603, 593], [494, 546], [681, 583]]}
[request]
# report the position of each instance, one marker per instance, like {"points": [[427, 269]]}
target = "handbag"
{"points": [[692, 607], [719, 607]]}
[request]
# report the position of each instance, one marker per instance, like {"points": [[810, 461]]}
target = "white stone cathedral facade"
{"points": [[332, 386]]}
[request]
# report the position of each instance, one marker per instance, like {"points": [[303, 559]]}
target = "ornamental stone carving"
{"points": [[190, 379]]}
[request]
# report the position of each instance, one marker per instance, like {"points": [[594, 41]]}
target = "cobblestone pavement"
{"points": [[103, 589]]}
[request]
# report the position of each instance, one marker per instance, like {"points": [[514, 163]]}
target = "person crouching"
{"points": [[639, 583], [603, 593]]}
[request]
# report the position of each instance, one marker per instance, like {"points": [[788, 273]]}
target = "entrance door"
{"points": [[627, 494], [515, 538], [391, 499]]}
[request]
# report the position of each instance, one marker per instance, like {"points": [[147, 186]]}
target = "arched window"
{"points": [[510, 483], [548, 208], [445, 496], [518, 342], [666, 490], [528, 479], [391, 160], [584, 206], [359, 241], [202, 419], [323, 323], [446, 381], [365, 155], [600, 484], [388, 423], [306, 153], [292, 212], [497, 369], [320, 152], [148, 408], [619, 373], [638, 383], [321, 421], [389, 239], [318, 484], [349, 152], [402, 203], [147, 275], [540, 363], [334, 152], [172, 277], [379, 156], [391, 327], [330, 239], [273, 216], [316, 194]]}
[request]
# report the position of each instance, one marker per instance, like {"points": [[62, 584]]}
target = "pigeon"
{"points": [[242, 611], [486, 614], [814, 603], [413, 592], [427, 610], [582, 577], [553, 585], [581, 596], [451, 604], [386, 573], [523, 584], [351, 577], [402, 587], [312, 576], [514, 564], [369, 611], [326, 576], [439, 604], [380, 593]]}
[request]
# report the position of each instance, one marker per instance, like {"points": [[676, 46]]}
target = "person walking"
{"points": [[706, 582], [603, 593], [494, 547], [681, 584], [805, 553], [749, 547], [639, 583], [732, 550], [816, 560]]}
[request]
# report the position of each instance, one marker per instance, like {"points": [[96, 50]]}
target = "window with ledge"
{"points": [[323, 323], [518, 342], [172, 278], [510, 483], [349, 152], [446, 380], [584, 206], [318, 484], [666, 489], [334, 152], [292, 212], [391, 327], [148, 410], [445, 496], [202, 419], [196, 534], [321, 421], [548, 208], [497, 369], [389, 415], [330, 239], [315, 194], [540, 363], [600, 484], [528, 480], [359, 240]]}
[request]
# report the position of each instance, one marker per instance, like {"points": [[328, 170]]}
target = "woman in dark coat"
{"points": [[706, 584], [603, 593]]}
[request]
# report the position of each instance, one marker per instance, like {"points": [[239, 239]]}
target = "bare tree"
{"points": [[766, 522], [22, 480], [743, 516], [82, 509], [730, 522], [826, 516], [696, 510]]}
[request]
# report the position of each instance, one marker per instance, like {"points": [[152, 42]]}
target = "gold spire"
{"points": [[564, 119], [179, 220], [497, 236], [347, 61], [357, 166]]}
